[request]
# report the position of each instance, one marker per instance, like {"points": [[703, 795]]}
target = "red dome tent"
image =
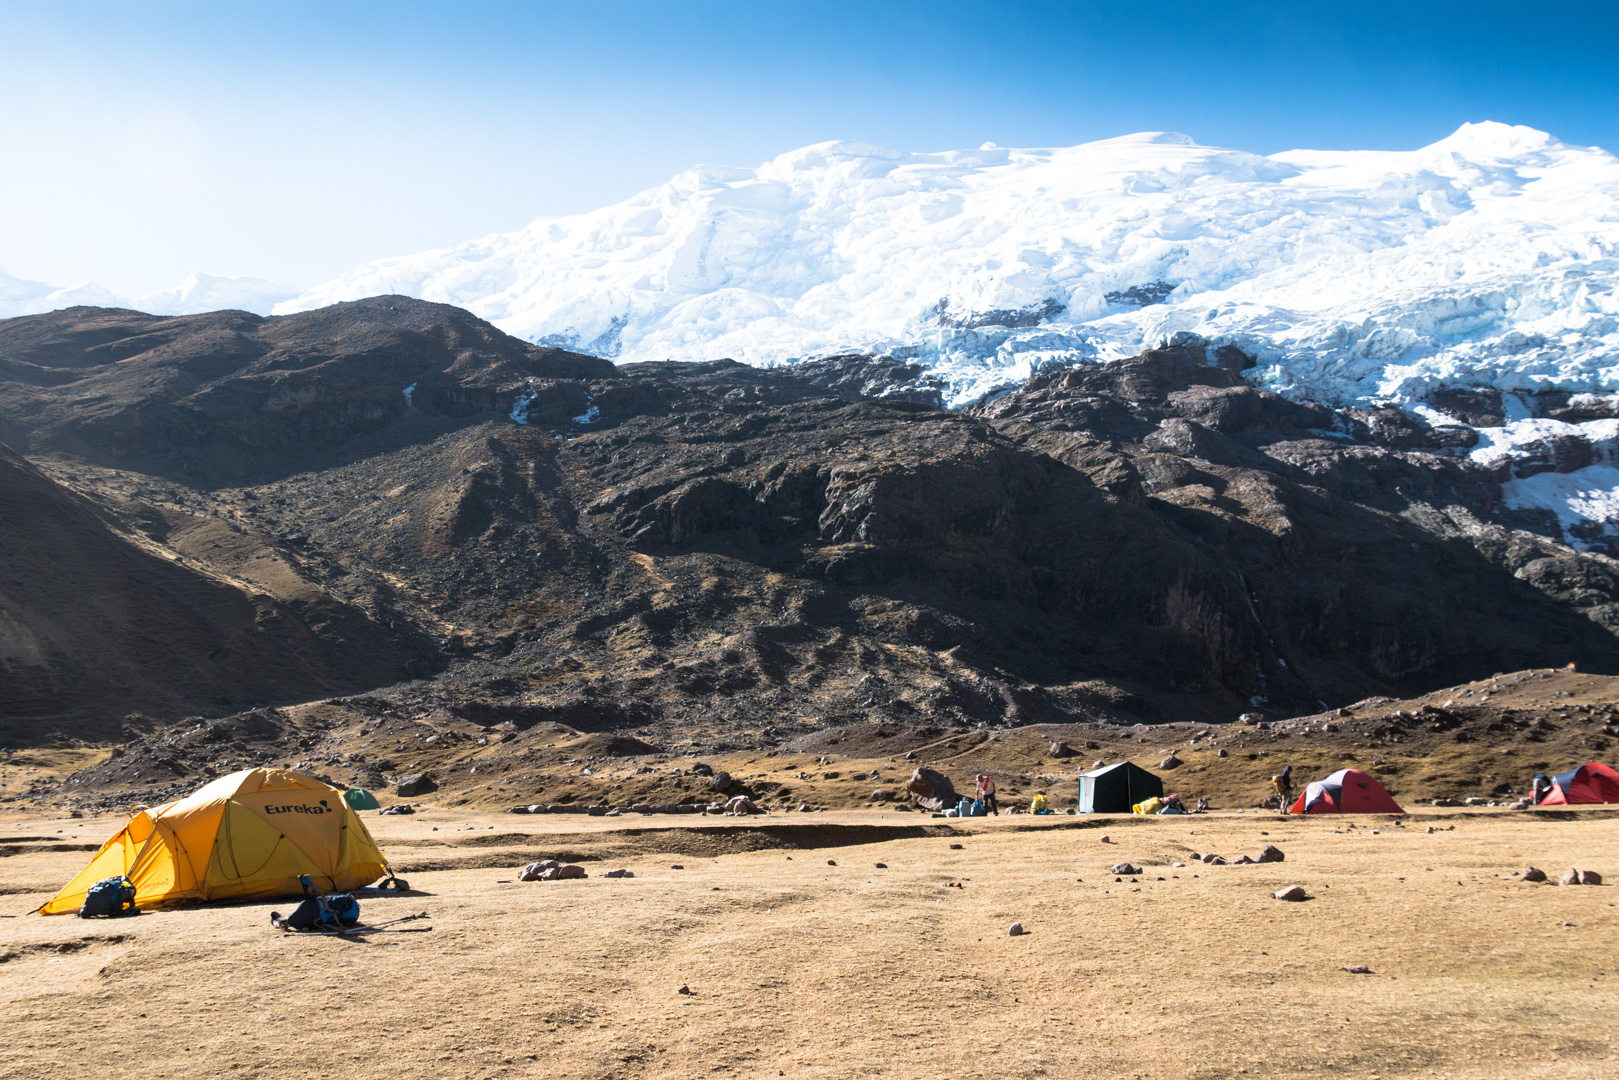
{"points": [[1590, 783], [1347, 791]]}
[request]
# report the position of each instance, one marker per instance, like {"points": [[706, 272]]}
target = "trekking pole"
{"points": [[405, 918]]}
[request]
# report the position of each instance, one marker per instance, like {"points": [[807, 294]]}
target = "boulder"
{"points": [[1292, 892], [619, 873], [720, 781], [1242, 860], [533, 870], [1222, 752], [1123, 869], [416, 784], [741, 806], [932, 790], [1533, 873], [1590, 877], [1170, 762], [562, 873], [1270, 853], [880, 795], [700, 769], [1016, 929], [1061, 750], [399, 808], [1570, 876]]}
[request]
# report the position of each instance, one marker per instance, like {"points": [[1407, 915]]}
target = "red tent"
{"points": [[1347, 791], [1590, 783]]}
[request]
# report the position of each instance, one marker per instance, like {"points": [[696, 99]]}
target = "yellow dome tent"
{"points": [[246, 836]]}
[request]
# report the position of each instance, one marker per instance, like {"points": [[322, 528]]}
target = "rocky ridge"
{"points": [[740, 554]]}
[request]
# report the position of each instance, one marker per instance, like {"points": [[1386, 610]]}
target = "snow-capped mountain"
{"points": [[206, 292], [19, 296], [198, 293], [1488, 259]]}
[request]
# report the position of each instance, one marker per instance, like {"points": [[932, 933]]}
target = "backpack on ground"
{"points": [[109, 897]]}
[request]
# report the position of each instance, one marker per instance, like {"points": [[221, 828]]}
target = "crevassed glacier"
{"points": [[1490, 258]]}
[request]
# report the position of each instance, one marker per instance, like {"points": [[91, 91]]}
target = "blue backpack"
{"points": [[108, 898]]}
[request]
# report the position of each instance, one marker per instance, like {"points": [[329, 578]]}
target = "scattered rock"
{"points": [[882, 866], [562, 873], [684, 989], [1570, 876], [1242, 860], [1060, 750], [1178, 864], [398, 808], [416, 784], [1532, 873], [1124, 869], [1270, 853], [533, 870], [831, 862], [931, 789], [741, 806], [619, 873], [676, 866], [1357, 969], [1590, 877], [1016, 929], [1292, 892], [1221, 752], [880, 795], [1105, 838], [1170, 762], [701, 769]]}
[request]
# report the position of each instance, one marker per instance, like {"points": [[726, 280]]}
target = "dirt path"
{"points": [[800, 968]]}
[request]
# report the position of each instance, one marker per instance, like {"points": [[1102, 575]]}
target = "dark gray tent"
{"points": [[1115, 788]]}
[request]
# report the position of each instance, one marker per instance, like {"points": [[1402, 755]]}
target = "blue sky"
{"points": [[293, 141]]}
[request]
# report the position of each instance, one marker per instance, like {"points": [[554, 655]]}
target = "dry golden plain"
{"points": [[801, 968]]}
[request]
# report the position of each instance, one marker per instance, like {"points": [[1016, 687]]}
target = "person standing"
{"points": [[986, 794], [1283, 783]]}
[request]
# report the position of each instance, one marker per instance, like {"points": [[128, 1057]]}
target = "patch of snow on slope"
{"points": [[1578, 499], [1490, 257]]}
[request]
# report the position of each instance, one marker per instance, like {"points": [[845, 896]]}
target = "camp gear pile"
{"points": [[246, 836], [109, 897]]}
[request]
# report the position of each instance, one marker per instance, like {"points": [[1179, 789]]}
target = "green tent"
{"points": [[1115, 788], [361, 799]]}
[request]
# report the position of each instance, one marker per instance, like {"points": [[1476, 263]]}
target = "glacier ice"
{"points": [[1490, 257]]}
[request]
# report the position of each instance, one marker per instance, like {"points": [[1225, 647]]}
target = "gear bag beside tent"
{"points": [[246, 836]]}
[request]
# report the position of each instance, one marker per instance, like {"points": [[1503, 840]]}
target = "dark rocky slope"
{"points": [[231, 397], [95, 623], [735, 553]]}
